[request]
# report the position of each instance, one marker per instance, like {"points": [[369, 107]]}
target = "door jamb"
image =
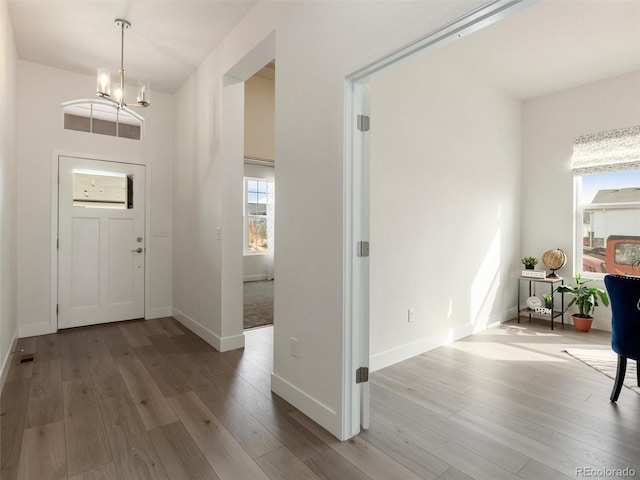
{"points": [[55, 210], [356, 324]]}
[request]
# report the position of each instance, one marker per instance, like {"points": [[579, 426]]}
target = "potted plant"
{"points": [[529, 262], [586, 298], [548, 300]]}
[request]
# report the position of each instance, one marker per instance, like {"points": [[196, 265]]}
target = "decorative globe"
{"points": [[554, 260]]}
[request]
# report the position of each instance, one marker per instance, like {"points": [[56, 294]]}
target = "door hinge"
{"points": [[363, 123], [362, 375], [58, 243], [363, 249], [57, 309]]}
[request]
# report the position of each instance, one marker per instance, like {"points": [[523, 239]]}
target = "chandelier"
{"points": [[103, 88]]}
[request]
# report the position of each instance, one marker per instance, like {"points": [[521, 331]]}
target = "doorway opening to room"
{"points": [[441, 125], [246, 224], [399, 197], [259, 198]]}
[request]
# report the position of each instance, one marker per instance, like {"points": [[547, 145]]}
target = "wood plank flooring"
{"points": [[150, 400]]}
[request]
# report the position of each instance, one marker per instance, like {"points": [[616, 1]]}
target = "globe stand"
{"points": [[554, 260]]}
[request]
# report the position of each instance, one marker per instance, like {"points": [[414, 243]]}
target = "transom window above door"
{"points": [[99, 116]]}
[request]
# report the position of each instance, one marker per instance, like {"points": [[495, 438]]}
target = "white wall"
{"points": [[40, 134], [259, 118], [317, 45], [550, 125], [445, 204], [8, 191]]}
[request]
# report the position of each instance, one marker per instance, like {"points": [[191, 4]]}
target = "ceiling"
{"points": [[551, 46], [167, 41]]}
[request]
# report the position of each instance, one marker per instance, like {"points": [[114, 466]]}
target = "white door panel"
{"points": [[85, 261], [101, 242], [122, 268]]}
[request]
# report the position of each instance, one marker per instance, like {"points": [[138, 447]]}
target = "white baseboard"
{"points": [[311, 407], [222, 344], [255, 278], [159, 312], [35, 329], [8, 358], [408, 350]]}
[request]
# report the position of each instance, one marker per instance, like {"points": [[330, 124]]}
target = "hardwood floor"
{"points": [[150, 400]]}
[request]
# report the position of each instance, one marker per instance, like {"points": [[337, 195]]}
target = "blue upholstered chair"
{"points": [[624, 293]]}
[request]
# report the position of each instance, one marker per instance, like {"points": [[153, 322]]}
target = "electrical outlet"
{"points": [[411, 315], [293, 347]]}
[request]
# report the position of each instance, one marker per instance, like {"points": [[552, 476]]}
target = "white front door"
{"points": [[101, 249]]}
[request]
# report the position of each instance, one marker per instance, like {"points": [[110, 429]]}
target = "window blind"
{"points": [[607, 152]]}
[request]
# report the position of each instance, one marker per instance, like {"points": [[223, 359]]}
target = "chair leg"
{"points": [[617, 386]]}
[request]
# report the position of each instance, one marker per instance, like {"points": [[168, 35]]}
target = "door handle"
{"points": [[137, 250]]}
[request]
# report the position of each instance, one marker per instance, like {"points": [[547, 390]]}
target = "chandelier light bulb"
{"points": [[103, 87], [117, 94], [144, 89]]}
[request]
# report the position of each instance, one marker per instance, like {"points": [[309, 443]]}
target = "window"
{"points": [[258, 215], [102, 190], [607, 184], [98, 116]]}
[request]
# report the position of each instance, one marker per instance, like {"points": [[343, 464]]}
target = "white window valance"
{"points": [[607, 152]]}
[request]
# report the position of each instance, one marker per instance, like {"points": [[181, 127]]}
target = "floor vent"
{"points": [[27, 358]]}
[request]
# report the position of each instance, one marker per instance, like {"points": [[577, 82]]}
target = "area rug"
{"points": [[606, 361], [258, 303]]}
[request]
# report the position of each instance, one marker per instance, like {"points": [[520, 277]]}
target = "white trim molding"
{"points": [[313, 407], [35, 329], [222, 344], [255, 278], [408, 350], [8, 360], [158, 312]]}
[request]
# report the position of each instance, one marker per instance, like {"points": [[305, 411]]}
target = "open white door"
{"points": [[361, 259], [101, 247]]}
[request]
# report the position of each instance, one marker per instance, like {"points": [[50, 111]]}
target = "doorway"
{"points": [[101, 241], [233, 153], [358, 232], [259, 198]]}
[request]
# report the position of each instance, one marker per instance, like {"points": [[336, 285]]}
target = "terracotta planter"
{"points": [[582, 324]]}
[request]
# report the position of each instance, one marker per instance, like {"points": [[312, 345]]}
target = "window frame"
{"points": [[579, 211], [246, 216]]}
